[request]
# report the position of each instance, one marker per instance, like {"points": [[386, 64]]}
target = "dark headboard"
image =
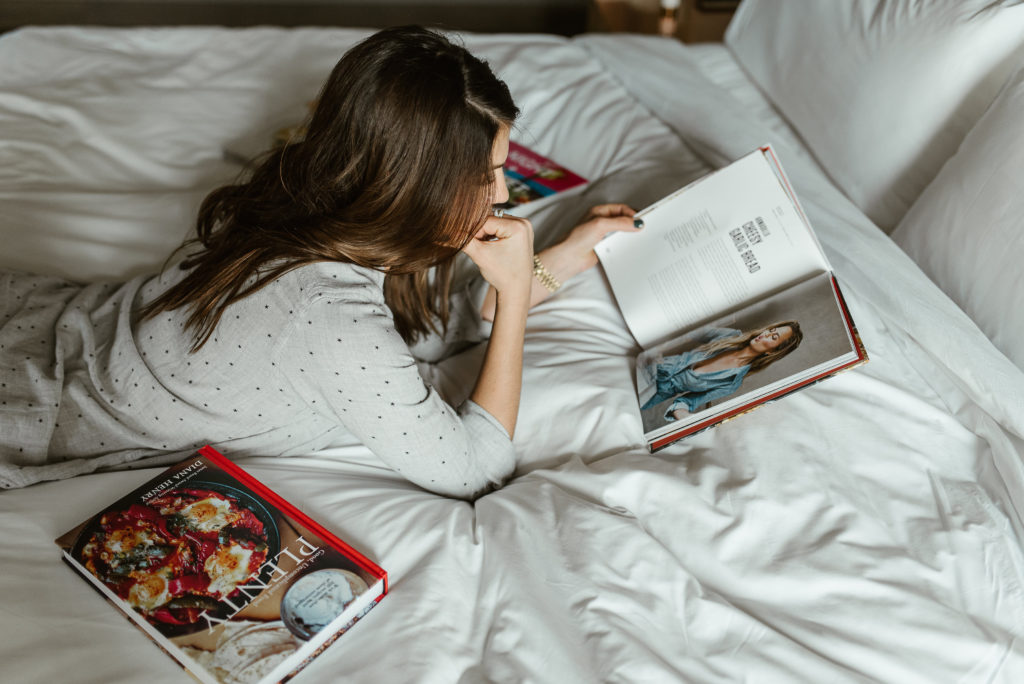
{"points": [[565, 17]]}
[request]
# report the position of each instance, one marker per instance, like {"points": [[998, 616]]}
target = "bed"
{"points": [[865, 529]]}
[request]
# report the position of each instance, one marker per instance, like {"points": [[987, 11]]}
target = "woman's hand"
{"points": [[680, 413], [503, 251], [575, 253], [572, 255]]}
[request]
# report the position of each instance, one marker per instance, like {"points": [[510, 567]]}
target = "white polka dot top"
{"points": [[311, 360]]}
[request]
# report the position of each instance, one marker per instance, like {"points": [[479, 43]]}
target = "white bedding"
{"points": [[866, 529]]}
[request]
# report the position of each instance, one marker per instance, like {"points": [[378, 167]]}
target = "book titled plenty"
{"points": [[731, 298], [222, 573]]}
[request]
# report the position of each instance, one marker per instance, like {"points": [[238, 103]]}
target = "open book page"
{"points": [[716, 245], [781, 341]]}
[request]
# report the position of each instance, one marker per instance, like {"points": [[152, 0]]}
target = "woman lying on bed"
{"points": [[296, 318]]}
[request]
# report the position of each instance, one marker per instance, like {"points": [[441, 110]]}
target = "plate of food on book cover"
{"points": [[181, 553]]}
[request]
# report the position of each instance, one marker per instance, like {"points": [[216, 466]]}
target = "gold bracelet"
{"points": [[545, 278]]}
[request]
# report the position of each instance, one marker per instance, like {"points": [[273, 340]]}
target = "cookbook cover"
{"points": [[222, 573]]}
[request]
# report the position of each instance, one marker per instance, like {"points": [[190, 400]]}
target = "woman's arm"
{"points": [[346, 362], [574, 254], [680, 413], [503, 250], [499, 385], [693, 401]]}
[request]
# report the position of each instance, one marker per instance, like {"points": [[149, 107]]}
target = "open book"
{"points": [[731, 298]]}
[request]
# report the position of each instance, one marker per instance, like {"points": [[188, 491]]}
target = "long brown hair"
{"points": [[394, 173], [743, 339]]}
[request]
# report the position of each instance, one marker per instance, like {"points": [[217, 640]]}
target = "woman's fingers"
{"points": [[601, 226], [500, 227], [611, 210], [503, 250]]}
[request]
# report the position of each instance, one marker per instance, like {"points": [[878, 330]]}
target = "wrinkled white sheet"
{"points": [[866, 529]]}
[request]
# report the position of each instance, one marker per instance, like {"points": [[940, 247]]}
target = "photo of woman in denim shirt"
{"points": [[717, 368]]}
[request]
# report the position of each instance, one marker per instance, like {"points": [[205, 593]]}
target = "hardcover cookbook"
{"points": [[222, 573]]}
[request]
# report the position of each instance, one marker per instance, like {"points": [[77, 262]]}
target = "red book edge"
{"points": [[716, 420], [273, 497], [572, 179]]}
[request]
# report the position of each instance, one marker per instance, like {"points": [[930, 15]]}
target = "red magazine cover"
{"points": [[530, 176], [222, 573]]}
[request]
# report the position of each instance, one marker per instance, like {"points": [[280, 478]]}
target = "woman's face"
{"points": [[770, 338], [499, 153]]}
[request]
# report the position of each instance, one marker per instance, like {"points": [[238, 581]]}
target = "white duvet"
{"points": [[866, 529]]}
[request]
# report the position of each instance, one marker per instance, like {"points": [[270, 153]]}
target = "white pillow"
{"points": [[966, 231], [882, 91]]}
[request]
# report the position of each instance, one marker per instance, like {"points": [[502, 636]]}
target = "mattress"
{"points": [[866, 529]]}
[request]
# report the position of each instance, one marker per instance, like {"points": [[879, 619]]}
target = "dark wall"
{"points": [[565, 17]]}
